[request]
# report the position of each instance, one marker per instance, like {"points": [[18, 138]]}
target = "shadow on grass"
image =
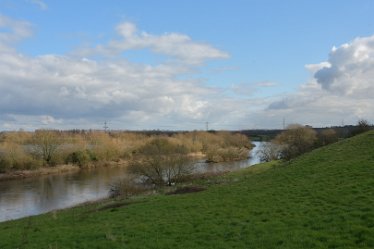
{"points": [[186, 190]]}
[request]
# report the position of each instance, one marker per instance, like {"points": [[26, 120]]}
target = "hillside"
{"points": [[323, 199]]}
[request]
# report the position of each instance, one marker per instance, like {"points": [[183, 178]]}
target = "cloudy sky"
{"points": [[173, 65]]}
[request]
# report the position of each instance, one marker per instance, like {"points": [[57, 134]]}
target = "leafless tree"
{"points": [[161, 162], [46, 143], [269, 151]]}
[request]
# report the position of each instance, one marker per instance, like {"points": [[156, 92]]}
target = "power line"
{"points": [[105, 126]]}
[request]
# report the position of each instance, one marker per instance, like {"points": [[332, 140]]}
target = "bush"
{"points": [[125, 188], [45, 144], [14, 157], [160, 162], [296, 140], [361, 127], [80, 158], [30, 150], [5, 163], [327, 136], [216, 154], [269, 151]]}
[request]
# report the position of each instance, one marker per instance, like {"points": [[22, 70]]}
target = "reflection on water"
{"points": [[20, 198], [230, 166]]}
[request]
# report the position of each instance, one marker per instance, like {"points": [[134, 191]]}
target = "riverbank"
{"points": [[70, 168], [55, 170], [323, 199], [19, 174]]}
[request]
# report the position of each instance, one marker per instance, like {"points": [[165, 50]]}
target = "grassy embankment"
{"points": [[323, 199]]}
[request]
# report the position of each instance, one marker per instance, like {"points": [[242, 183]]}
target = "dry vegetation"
{"points": [[48, 148]]}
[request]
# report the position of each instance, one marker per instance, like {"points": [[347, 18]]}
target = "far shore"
{"points": [[53, 170], [19, 174], [68, 168]]}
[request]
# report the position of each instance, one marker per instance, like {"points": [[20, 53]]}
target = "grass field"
{"points": [[323, 199]]}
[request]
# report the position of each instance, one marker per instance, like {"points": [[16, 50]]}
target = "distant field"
{"points": [[323, 199]]}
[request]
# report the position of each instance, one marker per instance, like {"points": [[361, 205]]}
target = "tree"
{"points": [[296, 140], [362, 126], [46, 144], [160, 162], [327, 136], [268, 151]]}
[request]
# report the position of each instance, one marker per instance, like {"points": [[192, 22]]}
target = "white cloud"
{"points": [[126, 29], [18, 30], [177, 46], [342, 88], [68, 91], [47, 120], [42, 5], [349, 69]]}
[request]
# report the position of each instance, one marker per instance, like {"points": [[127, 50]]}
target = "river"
{"points": [[31, 196]]}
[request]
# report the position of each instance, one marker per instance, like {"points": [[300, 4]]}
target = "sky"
{"points": [[180, 65]]}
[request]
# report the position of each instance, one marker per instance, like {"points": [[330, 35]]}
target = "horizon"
{"points": [[348, 126], [165, 65]]}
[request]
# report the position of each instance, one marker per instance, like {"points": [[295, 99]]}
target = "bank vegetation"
{"points": [[45, 149]]}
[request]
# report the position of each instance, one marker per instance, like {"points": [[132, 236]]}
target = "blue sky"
{"points": [[236, 64]]}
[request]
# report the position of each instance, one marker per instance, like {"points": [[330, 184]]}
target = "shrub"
{"points": [[46, 143], [160, 162], [216, 154], [81, 158], [296, 140], [125, 188], [269, 151], [327, 136], [14, 157], [5, 163], [361, 127]]}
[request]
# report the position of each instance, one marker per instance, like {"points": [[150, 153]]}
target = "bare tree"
{"points": [[46, 143], [161, 162], [362, 126], [269, 151]]}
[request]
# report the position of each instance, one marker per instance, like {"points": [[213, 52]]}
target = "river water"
{"points": [[25, 197]]}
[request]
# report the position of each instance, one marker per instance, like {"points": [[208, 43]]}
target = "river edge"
{"points": [[70, 168], [55, 170]]}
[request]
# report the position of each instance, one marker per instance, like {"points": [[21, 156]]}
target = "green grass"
{"points": [[323, 199]]}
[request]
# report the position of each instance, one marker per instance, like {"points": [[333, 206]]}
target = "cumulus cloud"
{"points": [[177, 46], [67, 91], [70, 91], [349, 69], [341, 90]]}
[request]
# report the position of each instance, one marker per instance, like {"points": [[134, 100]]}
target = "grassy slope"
{"points": [[324, 199]]}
